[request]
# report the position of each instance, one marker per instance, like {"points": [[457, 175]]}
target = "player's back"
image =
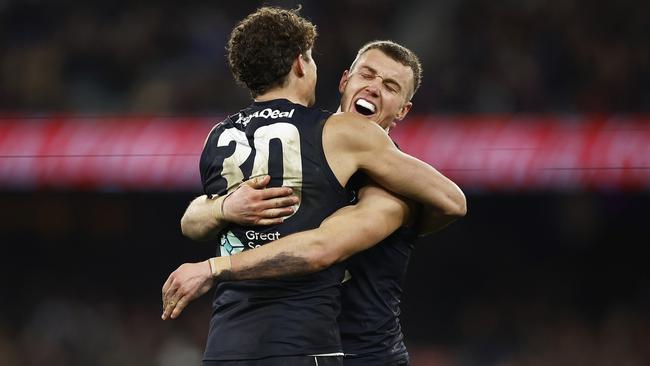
{"points": [[369, 320], [293, 316]]}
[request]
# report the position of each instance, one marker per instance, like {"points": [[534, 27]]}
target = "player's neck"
{"points": [[283, 93]]}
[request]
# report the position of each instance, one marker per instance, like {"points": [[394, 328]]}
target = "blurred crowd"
{"points": [[549, 280], [68, 331], [479, 56], [541, 336]]}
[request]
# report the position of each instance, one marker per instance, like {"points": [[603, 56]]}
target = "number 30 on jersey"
{"points": [[289, 138]]}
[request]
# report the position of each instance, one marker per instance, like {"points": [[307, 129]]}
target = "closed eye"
{"points": [[391, 87]]}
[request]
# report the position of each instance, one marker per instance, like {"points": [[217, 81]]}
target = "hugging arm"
{"points": [[375, 154], [250, 204], [347, 231]]}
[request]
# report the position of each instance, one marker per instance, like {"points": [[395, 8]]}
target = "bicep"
{"points": [[377, 156], [387, 165], [412, 178]]}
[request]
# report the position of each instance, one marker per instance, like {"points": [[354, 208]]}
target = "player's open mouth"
{"points": [[364, 107]]}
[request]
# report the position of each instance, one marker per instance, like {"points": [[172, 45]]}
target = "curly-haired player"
{"points": [[292, 321]]}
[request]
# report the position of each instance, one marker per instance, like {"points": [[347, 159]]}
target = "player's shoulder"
{"points": [[350, 119], [214, 131], [347, 122], [347, 126]]}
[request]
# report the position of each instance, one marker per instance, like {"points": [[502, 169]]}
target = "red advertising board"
{"points": [[481, 153]]}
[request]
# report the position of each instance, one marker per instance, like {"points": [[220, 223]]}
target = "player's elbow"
{"points": [[456, 206], [185, 227], [459, 207], [191, 230]]}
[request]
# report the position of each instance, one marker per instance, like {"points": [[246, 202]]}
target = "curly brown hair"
{"points": [[398, 53], [263, 46]]}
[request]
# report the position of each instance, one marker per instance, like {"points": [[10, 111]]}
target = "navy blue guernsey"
{"points": [[284, 317], [369, 320]]}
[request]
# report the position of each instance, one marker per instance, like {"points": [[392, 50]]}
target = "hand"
{"points": [[253, 204], [185, 284]]}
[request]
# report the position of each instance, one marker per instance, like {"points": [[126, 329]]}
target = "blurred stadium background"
{"points": [[539, 109]]}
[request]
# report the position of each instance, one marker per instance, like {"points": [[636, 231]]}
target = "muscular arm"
{"points": [[351, 143], [349, 230], [250, 204]]}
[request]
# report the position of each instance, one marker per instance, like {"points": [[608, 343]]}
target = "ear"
{"points": [[344, 81], [404, 111], [299, 66]]}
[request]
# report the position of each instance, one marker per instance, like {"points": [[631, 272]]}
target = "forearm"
{"points": [[203, 220], [293, 255], [346, 232], [297, 254]]}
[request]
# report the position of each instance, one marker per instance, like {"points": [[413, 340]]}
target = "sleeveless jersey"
{"points": [[369, 320], [285, 317]]}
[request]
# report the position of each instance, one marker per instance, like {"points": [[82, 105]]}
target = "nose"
{"points": [[374, 86]]}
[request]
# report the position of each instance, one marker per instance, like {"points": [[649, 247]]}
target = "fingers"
{"points": [[274, 213], [258, 182], [171, 302], [261, 182], [266, 222], [282, 202], [167, 290], [273, 216], [275, 192], [180, 305], [168, 296], [165, 287], [167, 309]]}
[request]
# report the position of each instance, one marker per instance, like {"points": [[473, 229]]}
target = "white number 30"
{"points": [[291, 157]]}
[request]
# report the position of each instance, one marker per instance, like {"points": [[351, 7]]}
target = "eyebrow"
{"points": [[385, 80]]}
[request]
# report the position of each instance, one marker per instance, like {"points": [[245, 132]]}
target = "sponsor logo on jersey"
{"points": [[264, 113], [254, 238], [230, 244]]}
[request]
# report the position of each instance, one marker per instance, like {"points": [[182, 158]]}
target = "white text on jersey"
{"points": [[265, 113]]}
